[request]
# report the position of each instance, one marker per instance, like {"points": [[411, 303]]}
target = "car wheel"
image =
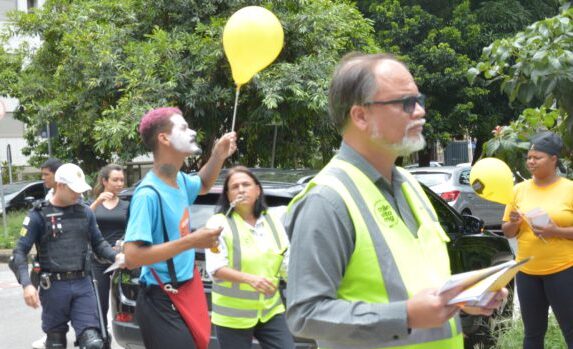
{"points": [[466, 212]]}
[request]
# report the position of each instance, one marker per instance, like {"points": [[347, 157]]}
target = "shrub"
{"points": [[14, 224]]}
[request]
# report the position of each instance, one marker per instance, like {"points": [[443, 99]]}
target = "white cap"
{"points": [[73, 176]]}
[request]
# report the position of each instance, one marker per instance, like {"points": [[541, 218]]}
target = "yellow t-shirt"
{"points": [[556, 199]]}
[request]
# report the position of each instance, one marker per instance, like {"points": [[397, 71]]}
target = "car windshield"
{"points": [[205, 205], [432, 178], [269, 175]]}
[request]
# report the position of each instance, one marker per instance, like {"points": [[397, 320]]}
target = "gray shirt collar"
{"points": [[351, 156]]}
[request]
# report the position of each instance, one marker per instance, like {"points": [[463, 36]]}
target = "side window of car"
{"points": [[448, 220], [18, 201], [36, 191], [465, 177]]}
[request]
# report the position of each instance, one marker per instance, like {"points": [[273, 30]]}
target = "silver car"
{"points": [[452, 183]]}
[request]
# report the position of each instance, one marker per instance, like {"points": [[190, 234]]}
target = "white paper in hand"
{"points": [[119, 263], [538, 217]]}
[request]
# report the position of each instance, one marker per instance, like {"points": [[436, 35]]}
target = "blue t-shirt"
{"points": [[145, 221]]}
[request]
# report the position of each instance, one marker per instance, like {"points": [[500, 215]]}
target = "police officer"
{"points": [[63, 230]]}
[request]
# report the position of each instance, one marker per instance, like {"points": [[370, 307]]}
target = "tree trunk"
{"points": [[424, 156], [478, 149]]}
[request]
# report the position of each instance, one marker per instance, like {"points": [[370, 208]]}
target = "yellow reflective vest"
{"points": [[389, 263], [239, 305]]}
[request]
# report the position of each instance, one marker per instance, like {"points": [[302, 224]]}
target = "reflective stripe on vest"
{"points": [[237, 305], [243, 313], [379, 232]]}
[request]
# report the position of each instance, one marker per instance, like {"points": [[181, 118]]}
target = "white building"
{"points": [[11, 130]]}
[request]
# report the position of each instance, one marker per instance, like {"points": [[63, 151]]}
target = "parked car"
{"points": [[432, 164], [452, 183], [470, 248], [20, 195]]}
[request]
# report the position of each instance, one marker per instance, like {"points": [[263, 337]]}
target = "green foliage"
{"points": [[14, 224], [16, 172], [535, 67], [441, 40], [9, 68], [104, 63], [440, 46], [506, 17], [511, 143]]}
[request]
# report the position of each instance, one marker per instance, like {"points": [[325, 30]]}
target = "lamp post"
{"points": [[2, 113], [275, 124], [3, 204]]}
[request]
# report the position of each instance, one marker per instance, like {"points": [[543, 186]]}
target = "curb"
{"points": [[5, 255]]}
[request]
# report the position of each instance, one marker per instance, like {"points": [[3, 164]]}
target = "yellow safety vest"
{"points": [[389, 263], [238, 305]]}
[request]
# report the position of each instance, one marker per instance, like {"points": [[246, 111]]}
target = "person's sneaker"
{"points": [[40, 343]]}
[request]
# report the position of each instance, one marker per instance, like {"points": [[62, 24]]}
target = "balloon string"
{"points": [[235, 108]]}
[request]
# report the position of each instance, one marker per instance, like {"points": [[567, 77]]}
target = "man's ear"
{"points": [[163, 138], [358, 117]]}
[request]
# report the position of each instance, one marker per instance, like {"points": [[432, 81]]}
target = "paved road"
{"points": [[20, 325]]}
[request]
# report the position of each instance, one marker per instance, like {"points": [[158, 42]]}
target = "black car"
{"points": [[470, 248], [19, 195]]}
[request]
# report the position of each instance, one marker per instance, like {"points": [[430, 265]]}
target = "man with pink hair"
{"points": [[158, 235]]}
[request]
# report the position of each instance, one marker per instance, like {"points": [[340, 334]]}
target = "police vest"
{"points": [[389, 263], [64, 243], [239, 305]]}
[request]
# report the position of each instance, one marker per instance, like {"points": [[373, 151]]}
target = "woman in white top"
{"points": [[247, 266]]}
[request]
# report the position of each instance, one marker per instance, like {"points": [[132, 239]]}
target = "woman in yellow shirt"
{"points": [[547, 280]]}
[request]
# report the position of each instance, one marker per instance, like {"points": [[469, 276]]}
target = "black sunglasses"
{"points": [[408, 103]]}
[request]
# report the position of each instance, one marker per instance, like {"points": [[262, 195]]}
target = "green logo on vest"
{"points": [[386, 212]]}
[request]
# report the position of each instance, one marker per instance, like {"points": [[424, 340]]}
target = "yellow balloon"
{"points": [[492, 180], [252, 39]]}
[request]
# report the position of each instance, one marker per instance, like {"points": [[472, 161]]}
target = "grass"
{"points": [[14, 224], [509, 334]]}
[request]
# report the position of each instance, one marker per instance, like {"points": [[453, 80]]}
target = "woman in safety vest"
{"points": [[246, 267]]}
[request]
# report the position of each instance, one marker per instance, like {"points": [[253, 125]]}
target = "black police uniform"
{"points": [[63, 237]]}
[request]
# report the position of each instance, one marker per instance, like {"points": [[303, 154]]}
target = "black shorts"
{"points": [[161, 325]]}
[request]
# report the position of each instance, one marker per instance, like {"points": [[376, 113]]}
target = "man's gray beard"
{"points": [[408, 145]]}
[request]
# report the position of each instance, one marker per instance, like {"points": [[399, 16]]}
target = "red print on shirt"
{"points": [[184, 228]]}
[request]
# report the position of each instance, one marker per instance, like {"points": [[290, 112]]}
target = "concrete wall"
{"points": [[5, 6]]}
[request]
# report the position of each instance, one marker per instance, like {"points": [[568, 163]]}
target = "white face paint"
{"points": [[182, 137]]}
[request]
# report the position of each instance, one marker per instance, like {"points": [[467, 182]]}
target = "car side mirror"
{"points": [[472, 225]]}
